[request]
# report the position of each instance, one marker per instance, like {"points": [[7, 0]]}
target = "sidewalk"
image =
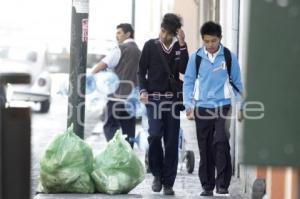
{"points": [[186, 185]]}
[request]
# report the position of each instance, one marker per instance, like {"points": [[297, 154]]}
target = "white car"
{"points": [[25, 59]]}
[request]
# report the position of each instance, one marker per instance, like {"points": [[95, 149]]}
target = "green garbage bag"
{"points": [[66, 165], [117, 169]]}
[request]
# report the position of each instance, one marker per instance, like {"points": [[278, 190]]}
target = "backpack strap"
{"points": [[228, 61], [198, 62]]}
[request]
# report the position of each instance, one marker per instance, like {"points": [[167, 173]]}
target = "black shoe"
{"points": [[206, 193], [156, 184], [222, 191], [168, 190]]}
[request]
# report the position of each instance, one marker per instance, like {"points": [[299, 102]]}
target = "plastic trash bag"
{"points": [[66, 165], [117, 169]]}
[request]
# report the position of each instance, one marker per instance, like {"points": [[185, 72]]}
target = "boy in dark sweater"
{"points": [[162, 59]]}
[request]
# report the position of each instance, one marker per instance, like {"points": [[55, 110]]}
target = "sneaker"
{"points": [[206, 193], [222, 191], [156, 184], [168, 190]]}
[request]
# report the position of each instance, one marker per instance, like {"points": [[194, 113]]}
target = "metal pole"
{"points": [[1, 105], [133, 14], [78, 55], [235, 49], [217, 8], [197, 2]]}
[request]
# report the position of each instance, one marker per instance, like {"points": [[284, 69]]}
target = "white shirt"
{"points": [[113, 57], [165, 48], [211, 56]]}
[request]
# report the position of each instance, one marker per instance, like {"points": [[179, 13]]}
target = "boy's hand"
{"points": [[240, 115], [190, 114], [144, 97], [181, 37]]}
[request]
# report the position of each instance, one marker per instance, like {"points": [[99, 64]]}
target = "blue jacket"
{"points": [[213, 88]]}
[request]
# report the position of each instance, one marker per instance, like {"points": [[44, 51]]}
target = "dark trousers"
{"points": [[163, 124], [116, 117], [213, 143]]}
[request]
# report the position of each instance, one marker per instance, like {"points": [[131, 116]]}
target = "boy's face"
{"points": [[165, 36], [211, 42], [121, 36]]}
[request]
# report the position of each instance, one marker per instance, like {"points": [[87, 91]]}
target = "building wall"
{"points": [[188, 9], [195, 13], [281, 182], [249, 173]]}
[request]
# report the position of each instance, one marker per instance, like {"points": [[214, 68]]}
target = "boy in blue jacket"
{"points": [[207, 97]]}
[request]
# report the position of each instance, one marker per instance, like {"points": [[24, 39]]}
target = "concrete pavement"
{"points": [[186, 185]]}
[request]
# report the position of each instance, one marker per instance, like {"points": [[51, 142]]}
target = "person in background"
{"points": [[124, 61]]}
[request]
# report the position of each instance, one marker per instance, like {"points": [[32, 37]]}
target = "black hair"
{"points": [[211, 28], [171, 22], [126, 27]]}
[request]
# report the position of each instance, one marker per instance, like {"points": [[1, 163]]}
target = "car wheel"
{"points": [[147, 162], [190, 161], [45, 105]]}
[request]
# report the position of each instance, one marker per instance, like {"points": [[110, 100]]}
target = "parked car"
{"points": [[57, 57], [27, 59]]}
